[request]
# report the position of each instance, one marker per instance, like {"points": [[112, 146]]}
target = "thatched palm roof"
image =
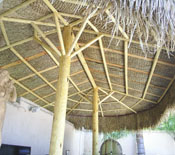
{"points": [[136, 85]]}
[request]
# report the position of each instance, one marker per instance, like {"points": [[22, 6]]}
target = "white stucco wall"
{"points": [[88, 142], [128, 144], [73, 140], [25, 128], [158, 143]]}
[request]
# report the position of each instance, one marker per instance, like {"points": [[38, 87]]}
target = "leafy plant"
{"points": [[168, 125], [115, 135]]}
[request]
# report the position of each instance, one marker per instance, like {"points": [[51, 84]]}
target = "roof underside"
{"points": [[35, 73]]}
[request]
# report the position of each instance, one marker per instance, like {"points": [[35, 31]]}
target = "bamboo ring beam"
{"points": [[95, 122], [56, 145]]}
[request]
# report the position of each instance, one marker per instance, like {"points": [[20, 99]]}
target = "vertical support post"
{"points": [[2, 117], [58, 127], [95, 122]]}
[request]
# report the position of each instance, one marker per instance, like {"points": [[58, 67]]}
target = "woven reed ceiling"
{"points": [[136, 81]]}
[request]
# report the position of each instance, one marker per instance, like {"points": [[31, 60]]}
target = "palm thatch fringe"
{"points": [[143, 119]]}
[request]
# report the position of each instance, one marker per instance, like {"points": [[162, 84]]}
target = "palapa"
{"points": [[126, 49]]}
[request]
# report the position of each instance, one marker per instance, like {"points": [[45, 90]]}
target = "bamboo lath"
{"points": [[24, 61], [129, 82], [118, 85], [129, 68]]}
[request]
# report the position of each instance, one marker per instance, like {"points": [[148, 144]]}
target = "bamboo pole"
{"points": [[102, 54], [57, 137], [118, 100], [95, 122], [126, 65], [86, 46]]}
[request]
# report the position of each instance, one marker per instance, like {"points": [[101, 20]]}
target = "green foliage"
{"points": [[168, 125], [115, 135]]}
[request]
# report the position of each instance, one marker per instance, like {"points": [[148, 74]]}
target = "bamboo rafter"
{"points": [[127, 107], [102, 54], [126, 65], [95, 47], [8, 43], [60, 37], [105, 98], [119, 27], [51, 54], [85, 20], [52, 104], [121, 86], [101, 108], [46, 39], [75, 40], [86, 45], [31, 92], [85, 66], [169, 85], [22, 5], [130, 55], [76, 105], [22, 59], [77, 29], [44, 85], [10, 46], [43, 53], [149, 77], [121, 77], [129, 95], [129, 68], [55, 11], [25, 21], [76, 16]]}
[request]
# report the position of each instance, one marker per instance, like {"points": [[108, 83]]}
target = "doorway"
{"points": [[110, 147]]}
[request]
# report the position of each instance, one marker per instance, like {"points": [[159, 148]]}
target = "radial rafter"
{"points": [[126, 65], [77, 104], [127, 107], [31, 38], [102, 54], [149, 77]]}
